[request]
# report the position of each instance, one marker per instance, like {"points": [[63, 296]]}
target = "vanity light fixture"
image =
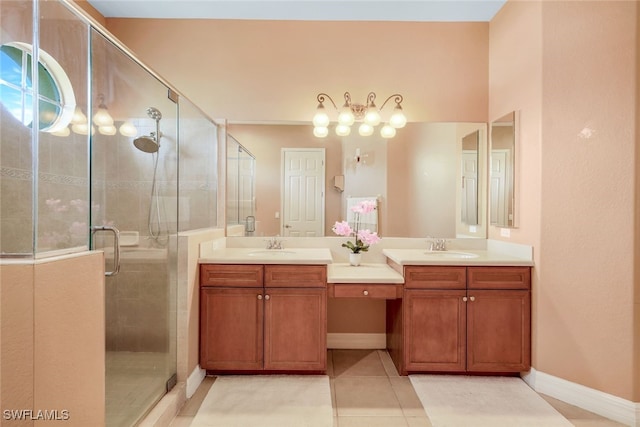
{"points": [[368, 114]]}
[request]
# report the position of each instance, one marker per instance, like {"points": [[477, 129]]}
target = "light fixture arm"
{"points": [[321, 98], [397, 99]]}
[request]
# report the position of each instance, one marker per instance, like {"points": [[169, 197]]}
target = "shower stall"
{"points": [[99, 152]]}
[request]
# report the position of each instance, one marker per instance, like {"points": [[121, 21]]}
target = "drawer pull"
{"points": [[259, 296], [472, 298], [464, 299], [365, 293], [267, 297]]}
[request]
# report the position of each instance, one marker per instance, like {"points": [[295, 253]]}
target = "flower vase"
{"points": [[355, 259]]}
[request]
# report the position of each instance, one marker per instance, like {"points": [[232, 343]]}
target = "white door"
{"points": [[498, 190], [303, 192], [469, 202]]}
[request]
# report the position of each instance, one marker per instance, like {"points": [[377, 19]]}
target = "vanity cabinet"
{"points": [[263, 317], [465, 319]]}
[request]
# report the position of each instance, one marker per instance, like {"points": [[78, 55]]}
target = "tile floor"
{"points": [[368, 392]]}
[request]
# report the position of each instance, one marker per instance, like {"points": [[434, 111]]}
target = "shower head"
{"points": [[148, 144], [154, 113]]}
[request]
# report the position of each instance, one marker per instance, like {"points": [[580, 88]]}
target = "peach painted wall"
{"points": [[52, 333], [16, 339], [585, 324], [273, 70], [568, 66]]}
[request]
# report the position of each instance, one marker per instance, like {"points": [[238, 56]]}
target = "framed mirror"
{"points": [[416, 176], [502, 174]]}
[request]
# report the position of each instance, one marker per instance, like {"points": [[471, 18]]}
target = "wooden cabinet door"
{"points": [[435, 330], [498, 331], [295, 329], [231, 322]]}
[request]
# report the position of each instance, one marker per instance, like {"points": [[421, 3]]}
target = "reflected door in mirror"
{"points": [[502, 162], [303, 192]]}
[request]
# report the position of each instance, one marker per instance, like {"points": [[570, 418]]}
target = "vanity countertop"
{"points": [[460, 257], [364, 273], [267, 256]]}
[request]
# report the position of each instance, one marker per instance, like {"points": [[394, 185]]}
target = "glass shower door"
{"points": [[134, 188]]}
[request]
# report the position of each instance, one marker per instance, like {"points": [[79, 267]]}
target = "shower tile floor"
{"points": [[135, 381]]}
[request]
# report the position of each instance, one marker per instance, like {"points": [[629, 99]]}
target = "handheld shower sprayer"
{"points": [[150, 143]]}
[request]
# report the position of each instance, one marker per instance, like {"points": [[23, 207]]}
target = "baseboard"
{"points": [[607, 405], [194, 380], [356, 341]]}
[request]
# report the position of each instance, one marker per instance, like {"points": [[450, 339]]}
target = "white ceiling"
{"points": [[313, 10]]}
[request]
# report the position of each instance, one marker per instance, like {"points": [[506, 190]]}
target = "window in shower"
{"points": [[56, 100]]}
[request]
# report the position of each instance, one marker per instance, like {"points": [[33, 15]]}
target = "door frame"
{"points": [[322, 191]]}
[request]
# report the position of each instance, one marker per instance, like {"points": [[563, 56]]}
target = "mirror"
{"points": [[416, 176], [240, 189], [502, 194]]}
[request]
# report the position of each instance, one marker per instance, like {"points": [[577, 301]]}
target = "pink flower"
{"points": [[368, 237], [364, 207], [342, 228]]}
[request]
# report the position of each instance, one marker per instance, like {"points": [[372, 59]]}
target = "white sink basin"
{"points": [[271, 253], [451, 254]]}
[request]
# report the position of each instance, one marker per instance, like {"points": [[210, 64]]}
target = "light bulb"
{"points": [[387, 131], [343, 130], [107, 130], [320, 131], [372, 117], [398, 119], [80, 128], [321, 119], [346, 116], [102, 117], [365, 129], [128, 129], [62, 132], [78, 117]]}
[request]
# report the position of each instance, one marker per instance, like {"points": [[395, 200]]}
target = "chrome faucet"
{"points": [[437, 244], [274, 243]]}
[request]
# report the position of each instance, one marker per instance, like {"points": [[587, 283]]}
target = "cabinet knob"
{"points": [[472, 298], [464, 299], [365, 293], [259, 296], [267, 297]]}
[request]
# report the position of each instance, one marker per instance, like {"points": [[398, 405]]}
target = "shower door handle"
{"points": [[116, 246]]}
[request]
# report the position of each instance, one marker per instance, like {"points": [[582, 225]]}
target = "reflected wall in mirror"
{"points": [[416, 176], [502, 194]]}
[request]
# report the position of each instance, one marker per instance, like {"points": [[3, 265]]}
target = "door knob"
{"points": [[464, 299], [472, 298], [259, 296], [267, 297]]}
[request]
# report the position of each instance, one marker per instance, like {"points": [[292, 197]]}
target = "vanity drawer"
{"points": [[499, 277], [295, 276], [435, 277], [366, 290], [231, 275]]}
